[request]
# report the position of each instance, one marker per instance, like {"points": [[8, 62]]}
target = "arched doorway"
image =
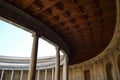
{"points": [[109, 71]]}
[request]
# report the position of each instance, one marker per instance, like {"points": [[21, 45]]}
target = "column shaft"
{"points": [[21, 75], [65, 70], [103, 67], [33, 60], [57, 65], [45, 74], [2, 75], [52, 73], [38, 75], [12, 74]]}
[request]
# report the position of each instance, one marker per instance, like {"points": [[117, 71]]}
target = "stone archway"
{"points": [[109, 71]]}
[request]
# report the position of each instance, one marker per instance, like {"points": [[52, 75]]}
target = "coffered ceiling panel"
{"points": [[86, 26]]}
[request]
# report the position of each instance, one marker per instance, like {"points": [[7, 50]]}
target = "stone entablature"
{"points": [[23, 63]]}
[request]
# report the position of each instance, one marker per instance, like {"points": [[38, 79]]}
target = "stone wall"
{"points": [[98, 69]]}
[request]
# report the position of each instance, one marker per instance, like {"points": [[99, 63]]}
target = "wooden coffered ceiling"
{"points": [[86, 26]]}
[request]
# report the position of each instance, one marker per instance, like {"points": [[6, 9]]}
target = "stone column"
{"points": [[52, 73], [57, 64], [33, 60], [38, 75], [21, 75], [92, 71], [103, 68], [2, 75], [95, 72], [82, 72], [12, 74], [45, 74], [65, 68]]}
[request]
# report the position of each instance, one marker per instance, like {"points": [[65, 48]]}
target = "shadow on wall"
{"points": [[119, 63], [109, 71]]}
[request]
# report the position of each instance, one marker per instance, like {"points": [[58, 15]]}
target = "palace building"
{"points": [[87, 32]]}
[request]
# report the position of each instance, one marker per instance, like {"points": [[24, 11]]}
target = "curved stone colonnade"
{"points": [[41, 74], [105, 66], [34, 68], [18, 63], [16, 68]]}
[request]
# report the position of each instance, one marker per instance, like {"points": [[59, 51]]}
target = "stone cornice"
{"points": [[21, 63]]}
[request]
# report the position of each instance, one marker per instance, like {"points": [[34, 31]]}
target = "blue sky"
{"points": [[15, 41]]}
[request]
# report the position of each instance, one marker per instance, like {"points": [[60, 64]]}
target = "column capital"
{"points": [[66, 56], [57, 47], [35, 34]]}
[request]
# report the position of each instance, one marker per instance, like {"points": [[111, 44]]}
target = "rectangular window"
{"points": [[87, 74]]}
